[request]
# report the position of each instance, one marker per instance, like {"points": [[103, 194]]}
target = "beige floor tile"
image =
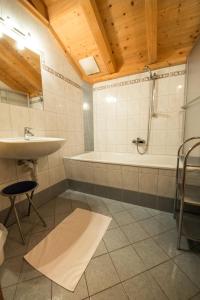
{"points": [[9, 292], [150, 253], [113, 224], [36, 238], [100, 274], [115, 239], [45, 210], [62, 205], [28, 272], [168, 242], [10, 271], [189, 263], [101, 249], [123, 218], [127, 262], [175, 284], [196, 297], [143, 287], [114, 293], [166, 219], [38, 288], [114, 206], [80, 292], [134, 232], [139, 213], [152, 226]]}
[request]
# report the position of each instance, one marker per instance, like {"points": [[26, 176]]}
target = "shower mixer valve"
{"points": [[138, 141]]}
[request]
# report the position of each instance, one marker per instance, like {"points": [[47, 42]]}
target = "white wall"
{"points": [[121, 112], [62, 115]]}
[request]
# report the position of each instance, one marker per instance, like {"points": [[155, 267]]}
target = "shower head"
{"points": [[151, 75], [147, 69]]}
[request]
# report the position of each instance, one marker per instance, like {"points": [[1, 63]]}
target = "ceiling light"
{"points": [[89, 65]]}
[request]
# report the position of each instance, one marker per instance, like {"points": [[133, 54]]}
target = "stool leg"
{"points": [[18, 223], [9, 212], [29, 203], [35, 209]]}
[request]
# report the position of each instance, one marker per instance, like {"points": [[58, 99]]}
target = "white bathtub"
{"points": [[151, 161]]}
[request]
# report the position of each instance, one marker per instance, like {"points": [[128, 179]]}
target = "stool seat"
{"points": [[26, 187], [20, 187]]}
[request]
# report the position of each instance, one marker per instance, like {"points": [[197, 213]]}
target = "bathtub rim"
{"points": [[135, 164]]}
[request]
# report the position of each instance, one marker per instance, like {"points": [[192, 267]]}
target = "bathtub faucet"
{"points": [[138, 141]]}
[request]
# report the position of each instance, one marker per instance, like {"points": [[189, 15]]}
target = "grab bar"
{"points": [[191, 103]]}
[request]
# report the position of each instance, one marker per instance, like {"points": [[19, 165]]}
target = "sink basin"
{"points": [[35, 147]]}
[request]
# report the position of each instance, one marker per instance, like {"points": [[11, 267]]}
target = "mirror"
{"points": [[20, 75]]}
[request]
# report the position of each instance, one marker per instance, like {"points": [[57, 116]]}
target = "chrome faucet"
{"points": [[138, 141], [27, 133]]}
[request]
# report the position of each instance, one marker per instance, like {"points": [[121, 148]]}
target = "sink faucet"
{"points": [[27, 133]]}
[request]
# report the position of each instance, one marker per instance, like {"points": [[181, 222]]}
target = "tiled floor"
{"points": [[137, 258]]}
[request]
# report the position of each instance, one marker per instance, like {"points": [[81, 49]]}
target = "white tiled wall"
{"points": [[62, 115], [121, 113]]}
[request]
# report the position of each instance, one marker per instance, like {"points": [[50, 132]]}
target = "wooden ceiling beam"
{"points": [[41, 7], [96, 26], [151, 20], [34, 11], [46, 22]]}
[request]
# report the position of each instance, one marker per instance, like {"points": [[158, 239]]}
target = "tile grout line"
{"points": [[122, 281], [118, 274], [198, 287], [119, 227], [197, 294], [86, 284], [150, 237]]}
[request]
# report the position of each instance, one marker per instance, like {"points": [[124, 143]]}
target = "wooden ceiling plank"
{"points": [[96, 26], [11, 82], [69, 57], [12, 58], [151, 13]]}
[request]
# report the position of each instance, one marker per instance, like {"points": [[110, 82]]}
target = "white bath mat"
{"points": [[65, 252]]}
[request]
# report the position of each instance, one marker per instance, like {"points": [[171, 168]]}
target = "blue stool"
{"points": [[16, 189]]}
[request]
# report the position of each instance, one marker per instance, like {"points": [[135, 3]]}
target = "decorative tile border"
{"points": [[55, 73], [137, 80]]}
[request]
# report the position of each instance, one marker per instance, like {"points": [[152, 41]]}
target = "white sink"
{"points": [[33, 148]]}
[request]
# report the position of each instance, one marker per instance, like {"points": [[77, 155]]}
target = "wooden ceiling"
{"points": [[20, 70], [122, 35]]}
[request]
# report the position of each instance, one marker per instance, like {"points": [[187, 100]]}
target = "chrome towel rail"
{"points": [[191, 102]]}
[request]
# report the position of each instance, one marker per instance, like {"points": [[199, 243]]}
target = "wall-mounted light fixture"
{"points": [[23, 40]]}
